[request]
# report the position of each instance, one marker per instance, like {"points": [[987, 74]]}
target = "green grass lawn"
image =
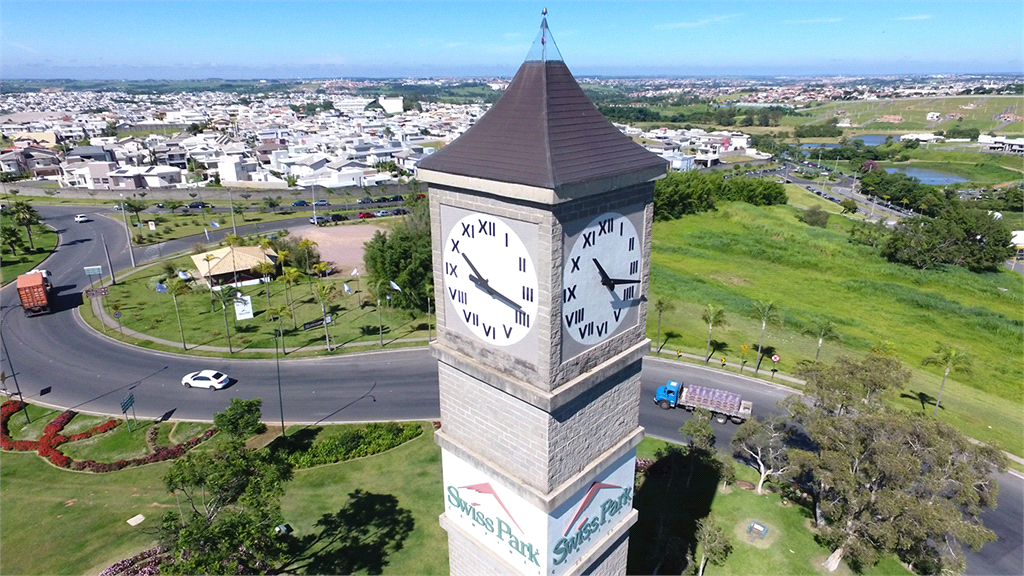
{"points": [[740, 253], [45, 240], [147, 311], [118, 444]]}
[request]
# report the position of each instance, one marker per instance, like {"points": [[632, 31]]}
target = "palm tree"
{"points": [[712, 316], [277, 313], [822, 330], [209, 277], [11, 237], [306, 245], [765, 312], [265, 269], [233, 240], [950, 359], [178, 287], [227, 295], [324, 292], [661, 306], [290, 276], [23, 214]]}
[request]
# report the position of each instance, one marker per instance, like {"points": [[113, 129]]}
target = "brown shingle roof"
{"points": [[543, 132]]}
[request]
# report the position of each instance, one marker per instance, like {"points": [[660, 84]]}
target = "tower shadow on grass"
{"points": [[924, 398], [357, 538], [666, 530]]}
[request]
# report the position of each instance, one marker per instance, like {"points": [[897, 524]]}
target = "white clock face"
{"points": [[601, 278], [490, 279]]}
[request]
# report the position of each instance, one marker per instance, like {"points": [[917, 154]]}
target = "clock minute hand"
{"points": [[605, 280], [479, 276], [622, 281]]}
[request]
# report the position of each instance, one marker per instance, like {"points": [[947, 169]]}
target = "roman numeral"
{"points": [[632, 243], [459, 296], [471, 317], [569, 294], [467, 230], [455, 246], [522, 318], [508, 331], [617, 312], [574, 317], [602, 328], [506, 240], [527, 294], [634, 266], [628, 292], [575, 264], [589, 238], [621, 228], [450, 269], [490, 331], [522, 264], [606, 225], [486, 228], [586, 330]]}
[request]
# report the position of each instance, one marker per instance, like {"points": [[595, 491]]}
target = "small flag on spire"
{"points": [[347, 289]]}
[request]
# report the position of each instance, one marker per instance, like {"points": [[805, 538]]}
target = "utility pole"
{"points": [[127, 232], [113, 281]]}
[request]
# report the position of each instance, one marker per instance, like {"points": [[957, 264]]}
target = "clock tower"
{"points": [[541, 226]]}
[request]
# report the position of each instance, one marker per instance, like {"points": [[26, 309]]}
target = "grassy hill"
{"points": [[742, 253]]}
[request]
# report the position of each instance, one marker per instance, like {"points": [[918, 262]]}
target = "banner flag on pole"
{"points": [[207, 232], [183, 275], [389, 296], [395, 286], [214, 224], [347, 289], [161, 288], [355, 272]]}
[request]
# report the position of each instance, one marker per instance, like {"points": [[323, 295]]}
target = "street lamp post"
{"points": [[124, 216], [280, 395]]}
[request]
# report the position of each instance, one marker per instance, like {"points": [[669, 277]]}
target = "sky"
{"points": [[710, 38]]}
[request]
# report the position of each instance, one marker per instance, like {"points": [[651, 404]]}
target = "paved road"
{"points": [[61, 362]]}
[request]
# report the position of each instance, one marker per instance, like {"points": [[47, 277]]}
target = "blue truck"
{"points": [[723, 405]]}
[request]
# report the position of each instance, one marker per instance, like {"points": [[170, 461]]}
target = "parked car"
{"points": [[117, 206], [338, 217], [421, 196], [300, 203], [399, 211], [205, 379], [382, 213], [380, 199], [365, 200], [196, 204], [321, 203], [317, 220], [366, 214], [159, 204], [396, 198], [82, 218]]}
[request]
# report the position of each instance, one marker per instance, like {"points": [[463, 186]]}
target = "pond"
{"points": [[819, 145], [876, 139], [929, 176]]}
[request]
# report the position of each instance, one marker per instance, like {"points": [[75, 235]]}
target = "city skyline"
{"points": [[274, 39]]}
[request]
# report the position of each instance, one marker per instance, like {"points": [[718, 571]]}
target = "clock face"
{"points": [[601, 279], [490, 279]]}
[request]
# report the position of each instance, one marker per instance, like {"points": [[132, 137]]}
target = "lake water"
{"points": [[876, 139], [819, 145], [929, 176]]}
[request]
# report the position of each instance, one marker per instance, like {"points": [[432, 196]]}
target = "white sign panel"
{"points": [[243, 307], [536, 543], [152, 225]]}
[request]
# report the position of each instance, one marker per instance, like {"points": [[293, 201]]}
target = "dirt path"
{"points": [[341, 245]]}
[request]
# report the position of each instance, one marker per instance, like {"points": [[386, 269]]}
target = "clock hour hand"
{"points": [[484, 285], [478, 279], [608, 282]]}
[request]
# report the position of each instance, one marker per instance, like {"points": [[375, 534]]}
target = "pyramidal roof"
{"points": [[545, 133]]}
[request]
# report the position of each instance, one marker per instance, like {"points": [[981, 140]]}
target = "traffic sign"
{"points": [[775, 358], [127, 403], [96, 292], [118, 315], [94, 270]]}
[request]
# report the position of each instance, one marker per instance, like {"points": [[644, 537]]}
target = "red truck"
{"points": [[34, 291]]}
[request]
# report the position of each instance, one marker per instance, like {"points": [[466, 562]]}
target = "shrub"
{"points": [[354, 443], [815, 216]]}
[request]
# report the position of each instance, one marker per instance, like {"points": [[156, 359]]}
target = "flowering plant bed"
{"points": [[47, 444]]}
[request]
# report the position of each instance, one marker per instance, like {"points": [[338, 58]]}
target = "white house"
{"points": [[933, 117]]}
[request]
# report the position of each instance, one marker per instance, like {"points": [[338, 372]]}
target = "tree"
{"points": [[11, 237], [815, 216], [661, 306], [402, 255], [762, 446], [272, 202], [767, 313], [173, 205], [228, 505], [325, 293], [957, 236], [228, 295], [289, 276], [702, 438], [265, 269], [712, 316], [822, 330], [134, 206], [949, 359], [239, 210], [241, 419], [23, 214], [715, 544], [893, 482], [849, 206], [178, 287]]}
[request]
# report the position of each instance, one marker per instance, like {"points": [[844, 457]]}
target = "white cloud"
{"points": [[914, 17], [814, 21], [24, 47], [696, 23]]}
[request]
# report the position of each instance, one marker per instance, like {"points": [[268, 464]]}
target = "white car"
{"points": [[317, 220], [205, 379], [82, 218]]}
